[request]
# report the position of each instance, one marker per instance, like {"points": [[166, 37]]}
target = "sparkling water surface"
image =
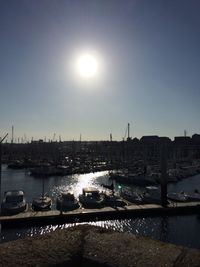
{"points": [[181, 230]]}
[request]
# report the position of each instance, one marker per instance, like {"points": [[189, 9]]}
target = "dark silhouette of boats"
{"points": [[134, 179], [48, 170], [17, 164]]}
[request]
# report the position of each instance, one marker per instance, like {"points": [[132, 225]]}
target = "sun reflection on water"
{"points": [[76, 183]]}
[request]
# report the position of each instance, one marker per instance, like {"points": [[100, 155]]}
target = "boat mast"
{"points": [[128, 131], [12, 139], [43, 187]]}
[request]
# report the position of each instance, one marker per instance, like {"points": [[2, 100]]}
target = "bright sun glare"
{"points": [[87, 65]]}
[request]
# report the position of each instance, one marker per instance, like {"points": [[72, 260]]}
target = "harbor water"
{"points": [[181, 230]]}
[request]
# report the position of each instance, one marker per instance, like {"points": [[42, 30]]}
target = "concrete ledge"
{"points": [[54, 217], [94, 246]]}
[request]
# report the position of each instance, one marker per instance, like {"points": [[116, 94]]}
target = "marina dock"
{"points": [[53, 217]]}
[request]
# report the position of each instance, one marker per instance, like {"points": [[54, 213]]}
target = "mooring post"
{"points": [[61, 205], [164, 176]]}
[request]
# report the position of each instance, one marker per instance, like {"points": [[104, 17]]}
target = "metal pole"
{"points": [[128, 131], [0, 184], [0, 165], [164, 176]]}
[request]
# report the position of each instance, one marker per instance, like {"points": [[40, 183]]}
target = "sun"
{"points": [[87, 65]]}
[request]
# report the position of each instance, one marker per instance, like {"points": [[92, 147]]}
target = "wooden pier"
{"points": [[53, 217]]}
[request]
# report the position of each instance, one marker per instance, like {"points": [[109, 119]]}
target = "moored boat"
{"points": [[13, 202], [91, 198], [193, 196], [41, 203], [113, 200], [66, 201], [177, 197], [152, 195], [132, 197]]}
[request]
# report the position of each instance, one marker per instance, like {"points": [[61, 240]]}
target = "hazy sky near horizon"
{"points": [[149, 68]]}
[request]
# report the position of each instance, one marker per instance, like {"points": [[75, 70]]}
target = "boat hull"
{"points": [[8, 209], [66, 205], [89, 202]]}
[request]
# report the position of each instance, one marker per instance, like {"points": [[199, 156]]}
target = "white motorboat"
{"points": [[14, 202]]}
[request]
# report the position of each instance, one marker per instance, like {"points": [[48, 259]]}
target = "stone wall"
{"points": [[94, 246]]}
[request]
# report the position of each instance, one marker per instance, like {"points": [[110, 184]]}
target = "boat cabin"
{"points": [[67, 196], [91, 192]]}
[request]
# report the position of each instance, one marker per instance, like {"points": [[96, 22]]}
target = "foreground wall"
{"points": [[93, 246]]}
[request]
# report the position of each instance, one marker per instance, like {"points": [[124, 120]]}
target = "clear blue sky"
{"points": [[150, 68]]}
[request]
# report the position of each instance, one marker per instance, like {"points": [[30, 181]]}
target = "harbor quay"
{"points": [[54, 217]]}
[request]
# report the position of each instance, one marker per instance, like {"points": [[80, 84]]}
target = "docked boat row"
{"points": [[152, 194], [47, 169], [138, 168], [185, 196], [15, 202]]}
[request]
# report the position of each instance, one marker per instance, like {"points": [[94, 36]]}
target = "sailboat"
{"points": [[43, 202]]}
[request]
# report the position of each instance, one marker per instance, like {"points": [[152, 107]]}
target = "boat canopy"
{"points": [[14, 196], [14, 193], [91, 192]]}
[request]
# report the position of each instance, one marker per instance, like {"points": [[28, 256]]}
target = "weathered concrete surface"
{"points": [[94, 246], [48, 250]]}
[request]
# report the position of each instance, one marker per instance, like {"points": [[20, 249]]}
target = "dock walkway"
{"points": [[33, 218]]}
